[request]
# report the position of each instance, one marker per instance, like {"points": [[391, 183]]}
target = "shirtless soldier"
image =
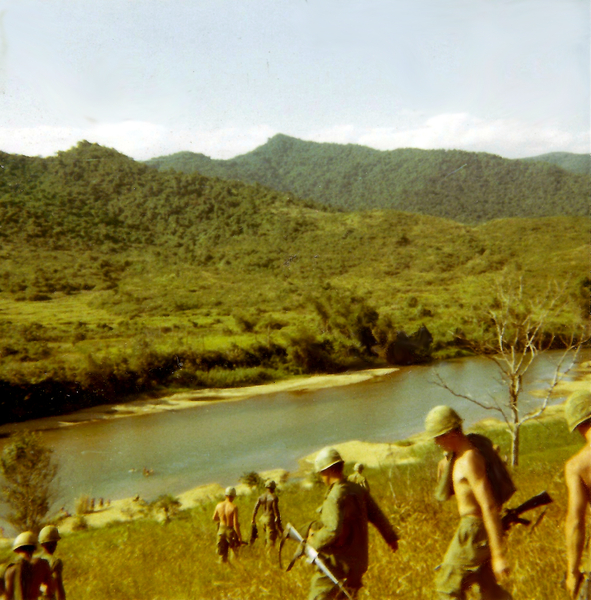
{"points": [[226, 515], [475, 554], [270, 519], [48, 538], [577, 473], [25, 577]]}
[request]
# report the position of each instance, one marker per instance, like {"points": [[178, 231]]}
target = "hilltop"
{"points": [[576, 163], [469, 187], [117, 280]]}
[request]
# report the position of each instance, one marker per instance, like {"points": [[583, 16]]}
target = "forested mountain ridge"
{"points": [[92, 195], [464, 186], [576, 163]]}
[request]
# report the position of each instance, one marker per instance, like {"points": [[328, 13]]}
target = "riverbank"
{"points": [[203, 397]]}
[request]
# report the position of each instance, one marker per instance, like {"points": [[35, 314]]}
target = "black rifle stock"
{"points": [[512, 515], [312, 556]]}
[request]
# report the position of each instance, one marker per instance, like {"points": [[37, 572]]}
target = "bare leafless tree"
{"points": [[517, 329]]}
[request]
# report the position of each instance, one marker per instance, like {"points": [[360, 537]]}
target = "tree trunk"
{"points": [[515, 444]]}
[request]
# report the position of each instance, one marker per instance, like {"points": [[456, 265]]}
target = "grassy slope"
{"points": [[412, 269], [144, 559]]}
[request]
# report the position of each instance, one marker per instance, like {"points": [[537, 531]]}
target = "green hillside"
{"points": [[576, 163], [116, 279], [467, 187]]}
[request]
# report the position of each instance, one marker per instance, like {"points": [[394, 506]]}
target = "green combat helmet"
{"points": [[49, 534], [441, 420], [577, 408], [230, 492], [327, 457], [271, 485], [28, 538]]}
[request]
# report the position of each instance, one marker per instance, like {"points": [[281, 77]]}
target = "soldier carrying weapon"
{"points": [[475, 555], [577, 471], [226, 516], [270, 518], [342, 539]]}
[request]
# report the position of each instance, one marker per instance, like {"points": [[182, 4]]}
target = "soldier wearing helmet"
{"points": [[27, 575], [343, 533], [270, 519], [48, 538], [358, 477], [577, 471], [226, 516], [475, 555]]}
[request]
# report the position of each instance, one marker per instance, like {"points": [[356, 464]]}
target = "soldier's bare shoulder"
{"points": [[579, 465]]}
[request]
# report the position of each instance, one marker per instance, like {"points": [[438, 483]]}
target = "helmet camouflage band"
{"points": [[327, 457], [49, 534], [577, 408], [441, 420]]}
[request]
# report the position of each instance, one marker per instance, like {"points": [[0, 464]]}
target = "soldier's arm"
{"points": [[9, 583], [216, 514], [480, 485], [379, 520], [574, 526], [58, 581], [256, 509], [332, 523], [276, 514], [236, 524]]}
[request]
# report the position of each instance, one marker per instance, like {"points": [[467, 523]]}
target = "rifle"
{"points": [[291, 533], [254, 533], [512, 515]]}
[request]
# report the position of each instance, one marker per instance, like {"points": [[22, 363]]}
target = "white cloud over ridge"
{"points": [[142, 140], [506, 137]]}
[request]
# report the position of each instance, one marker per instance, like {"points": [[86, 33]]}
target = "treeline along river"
{"points": [[218, 442]]}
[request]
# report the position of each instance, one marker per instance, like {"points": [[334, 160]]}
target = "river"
{"points": [[218, 442]]}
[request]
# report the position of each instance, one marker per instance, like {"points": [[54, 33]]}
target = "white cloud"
{"points": [[507, 137], [137, 139], [142, 140]]}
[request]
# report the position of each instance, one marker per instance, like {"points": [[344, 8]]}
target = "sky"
{"points": [[220, 77]]}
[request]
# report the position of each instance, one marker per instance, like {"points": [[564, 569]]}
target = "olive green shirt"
{"points": [[343, 537]]}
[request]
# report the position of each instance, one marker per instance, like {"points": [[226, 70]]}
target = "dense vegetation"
{"points": [[468, 187], [147, 559], [576, 163], [117, 279]]}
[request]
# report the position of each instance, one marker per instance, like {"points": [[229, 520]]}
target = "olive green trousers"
{"points": [[467, 564]]}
